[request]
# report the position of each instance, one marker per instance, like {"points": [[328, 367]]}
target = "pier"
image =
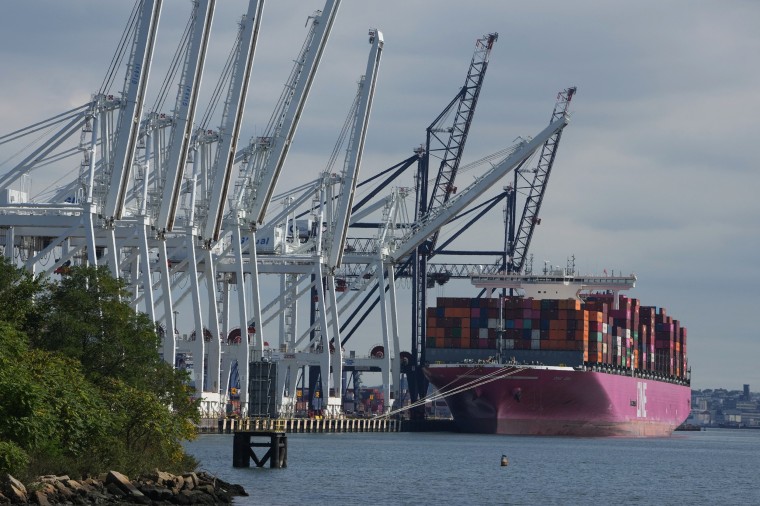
{"points": [[298, 425], [245, 442]]}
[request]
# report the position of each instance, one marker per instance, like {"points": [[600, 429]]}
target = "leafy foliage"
{"points": [[85, 391], [85, 318], [13, 460], [17, 292]]}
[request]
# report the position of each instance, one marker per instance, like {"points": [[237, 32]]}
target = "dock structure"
{"points": [[245, 441], [299, 425]]}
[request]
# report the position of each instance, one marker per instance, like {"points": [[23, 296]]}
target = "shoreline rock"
{"points": [[156, 488]]}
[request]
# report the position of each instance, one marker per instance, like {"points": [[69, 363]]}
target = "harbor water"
{"points": [[716, 466]]}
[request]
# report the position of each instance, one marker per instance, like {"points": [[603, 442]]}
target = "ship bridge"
{"points": [[554, 285]]}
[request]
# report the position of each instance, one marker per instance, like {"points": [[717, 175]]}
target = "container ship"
{"points": [[570, 356]]}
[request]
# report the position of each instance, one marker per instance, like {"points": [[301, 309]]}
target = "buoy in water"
{"points": [[504, 460]]}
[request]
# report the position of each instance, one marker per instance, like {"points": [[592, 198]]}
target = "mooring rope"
{"points": [[442, 393]]}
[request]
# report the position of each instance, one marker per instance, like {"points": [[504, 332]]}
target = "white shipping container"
{"points": [[535, 334], [493, 323], [483, 333], [535, 344]]}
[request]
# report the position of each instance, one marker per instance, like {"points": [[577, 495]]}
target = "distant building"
{"points": [[732, 417], [726, 408]]}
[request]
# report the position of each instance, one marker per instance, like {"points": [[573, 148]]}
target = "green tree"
{"points": [[86, 390], [86, 317], [18, 290], [48, 409]]}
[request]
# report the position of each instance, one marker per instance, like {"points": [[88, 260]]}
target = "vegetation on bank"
{"points": [[82, 387]]}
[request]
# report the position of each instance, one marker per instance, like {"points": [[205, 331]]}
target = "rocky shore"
{"points": [[156, 488]]}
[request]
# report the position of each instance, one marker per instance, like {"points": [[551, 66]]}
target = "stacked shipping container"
{"points": [[631, 336]]}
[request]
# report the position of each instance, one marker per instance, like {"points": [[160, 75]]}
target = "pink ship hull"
{"points": [[539, 400]]}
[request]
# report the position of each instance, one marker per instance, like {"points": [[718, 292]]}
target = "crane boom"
{"points": [[26, 165], [232, 120], [184, 112], [518, 247], [264, 178], [466, 101], [355, 150], [436, 218], [133, 98]]}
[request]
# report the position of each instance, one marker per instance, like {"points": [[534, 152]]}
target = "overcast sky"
{"points": [[657, 174]]}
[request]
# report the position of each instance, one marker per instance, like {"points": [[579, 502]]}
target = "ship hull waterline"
{"points": [[559, 401]]}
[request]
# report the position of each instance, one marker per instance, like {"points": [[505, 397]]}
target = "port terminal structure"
{"points": [[181, 211]]}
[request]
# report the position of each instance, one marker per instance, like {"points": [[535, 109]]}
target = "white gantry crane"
{"points": [[329, 243], [211, 179], [261, 165], [296, 259]]}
